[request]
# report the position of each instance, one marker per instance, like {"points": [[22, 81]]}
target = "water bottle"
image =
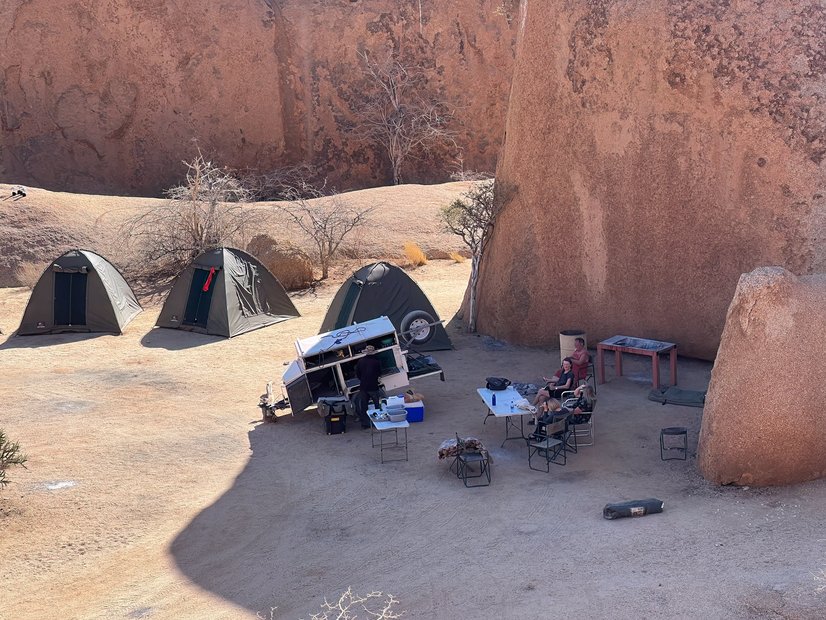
{"points": [[493, 400]]}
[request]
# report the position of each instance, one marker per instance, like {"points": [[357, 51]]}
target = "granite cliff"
{"points": [[109, 96], [654, 152]]}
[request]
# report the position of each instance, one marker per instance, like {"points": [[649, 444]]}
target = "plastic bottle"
{"points": [[493, 399]]}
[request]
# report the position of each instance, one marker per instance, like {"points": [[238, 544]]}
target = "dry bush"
{"points": [[29, 273], [414, 254], [325, 220], [354, 247], [10, 455], [457, 258], [206, 211], [289, 264]]}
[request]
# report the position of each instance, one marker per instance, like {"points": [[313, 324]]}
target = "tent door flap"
{"points": [[199, 300], [69, 298]]}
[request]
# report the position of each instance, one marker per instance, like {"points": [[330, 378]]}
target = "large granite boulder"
{"points": [[764, 422], [656, 151], [109, 96]]}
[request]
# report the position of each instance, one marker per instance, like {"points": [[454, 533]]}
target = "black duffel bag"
{"points": [[497, 384], [635, 508]]}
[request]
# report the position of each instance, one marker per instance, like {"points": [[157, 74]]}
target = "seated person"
{"points": [[586, 398], [561, 381], [555, 411], [580, 359]]}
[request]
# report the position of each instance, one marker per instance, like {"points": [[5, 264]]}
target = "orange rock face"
{"points": [[763, 421], [108, 96], [657, 150]]}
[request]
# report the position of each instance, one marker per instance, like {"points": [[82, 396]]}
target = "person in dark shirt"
{"points": [[563, 380], [368, 371]]}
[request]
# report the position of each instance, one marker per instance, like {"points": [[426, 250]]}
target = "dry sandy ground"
{"points": [[154, 491]]}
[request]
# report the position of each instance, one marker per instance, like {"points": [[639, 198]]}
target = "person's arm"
{"points": [[580, 357], [555, 378]]}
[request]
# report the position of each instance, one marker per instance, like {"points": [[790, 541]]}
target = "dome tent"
{"points": [[382, 289], [79, 291], [225, 292]]}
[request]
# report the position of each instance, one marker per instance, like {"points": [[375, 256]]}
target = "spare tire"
{"points": [[419, 325]]}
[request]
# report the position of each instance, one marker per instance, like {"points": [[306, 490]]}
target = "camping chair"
{"points": [[582, 425], [587, 373], [550, 444]]}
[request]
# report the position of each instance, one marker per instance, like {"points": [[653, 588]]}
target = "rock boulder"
{"points": [[655, 151], [763, 422]]}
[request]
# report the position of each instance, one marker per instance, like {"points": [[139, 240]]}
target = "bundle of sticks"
{"points": [[453, 447]]}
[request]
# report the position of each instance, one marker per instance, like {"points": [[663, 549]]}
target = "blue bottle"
{"points": [[493, 399]]}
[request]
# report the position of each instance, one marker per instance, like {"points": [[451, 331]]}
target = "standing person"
{"points": [[580, 359], [368, 370]]}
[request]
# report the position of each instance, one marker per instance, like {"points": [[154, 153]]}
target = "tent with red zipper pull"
{"points": [[225, 292]]}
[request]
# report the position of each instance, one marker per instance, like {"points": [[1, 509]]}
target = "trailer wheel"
{"points": [[419, 328]]}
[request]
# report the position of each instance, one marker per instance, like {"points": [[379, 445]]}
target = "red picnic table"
{"points": [[637, 346]]}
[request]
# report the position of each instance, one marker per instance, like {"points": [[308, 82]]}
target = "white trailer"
{"points": [[325, 364]]}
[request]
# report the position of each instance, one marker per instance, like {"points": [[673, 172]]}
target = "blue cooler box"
{"points": [[415, 411]]}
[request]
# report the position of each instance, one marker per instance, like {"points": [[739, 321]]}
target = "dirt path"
{"points": [[153, 491]]}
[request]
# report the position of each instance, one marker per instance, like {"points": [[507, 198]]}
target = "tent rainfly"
{"points": [[79, 292], [382, 289], [225, 292]]}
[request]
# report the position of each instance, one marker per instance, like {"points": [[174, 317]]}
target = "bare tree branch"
{"points": [[207, 210], [473, 217], [398, 117], [325, 219]]}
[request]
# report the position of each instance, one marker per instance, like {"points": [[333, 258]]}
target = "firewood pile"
{"points": [[452, 448]]}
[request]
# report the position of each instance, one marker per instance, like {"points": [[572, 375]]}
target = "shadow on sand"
{"points": [[246, 546], [176, 340], [36, 341]]}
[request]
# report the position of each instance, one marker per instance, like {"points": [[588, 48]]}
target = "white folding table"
{"points": [[505, 407], [383, 427]]}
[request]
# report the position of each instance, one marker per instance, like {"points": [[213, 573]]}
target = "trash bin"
{"points": [[566, 342]]}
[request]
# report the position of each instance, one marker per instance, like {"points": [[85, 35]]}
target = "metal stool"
{"points": [[680, 433], [463, 464]]}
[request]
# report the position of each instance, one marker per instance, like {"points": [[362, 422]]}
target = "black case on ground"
{"points": [[635, 508], [335, 423]]}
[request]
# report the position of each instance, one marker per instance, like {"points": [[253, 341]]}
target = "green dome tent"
{"points": [[80, 291], [382, 289], [225, 292]]}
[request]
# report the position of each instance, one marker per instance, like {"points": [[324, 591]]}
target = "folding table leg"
{"points": [[655, 370]]}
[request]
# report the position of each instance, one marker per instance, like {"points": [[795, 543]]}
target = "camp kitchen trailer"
{"points": [[325, 366]]}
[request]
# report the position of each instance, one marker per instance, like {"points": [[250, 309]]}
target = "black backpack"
{"points": [[497, 384]]}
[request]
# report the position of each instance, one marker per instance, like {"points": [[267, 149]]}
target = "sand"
{"points": [[154, 490]]}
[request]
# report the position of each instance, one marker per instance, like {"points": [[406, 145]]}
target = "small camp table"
{"points": [[381, 428], [504, 408], [637, 346]]}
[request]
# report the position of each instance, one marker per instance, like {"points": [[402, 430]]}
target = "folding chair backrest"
{"points": [[557, 427]]}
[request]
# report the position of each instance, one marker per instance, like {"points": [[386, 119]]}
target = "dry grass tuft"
{"points": [[289, 264], [457, 258], [414, 254]]}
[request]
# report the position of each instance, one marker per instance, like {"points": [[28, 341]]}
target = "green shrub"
{"points": [[9, 455]]}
